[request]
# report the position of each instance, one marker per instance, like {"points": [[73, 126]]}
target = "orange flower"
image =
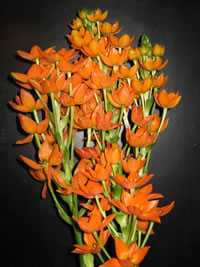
{"points": [[113, 57], [150, 65], [52, 56], [65, 66], [53, 85], [100, 173], [91, 245], [141, 138], [80, 94], [102, 120], [88, 152], [138, 118], [155, 124], [132, 181], [165, 100], [121, 42], [35, 72], [125, 72], [94, 222], [76, 24], [31, 127], [160, 81], [142, 87], [86, 187], [87, 69], [80, 38], [94, 47], [133, 165], [97, 15], [33, 55], [142, 204], [113, 154], [106, 28], [124, 95], [27, 103], [100, 80], [126, 256], [49, 156]]}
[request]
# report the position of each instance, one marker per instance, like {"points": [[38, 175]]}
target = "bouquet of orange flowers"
{"points": [[111, 92]]}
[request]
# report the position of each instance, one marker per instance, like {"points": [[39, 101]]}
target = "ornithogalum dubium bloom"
{"points": [[107, 89]]}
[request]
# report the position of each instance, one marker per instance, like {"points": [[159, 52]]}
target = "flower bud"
{"points": [[134, 53], [158, 50]]}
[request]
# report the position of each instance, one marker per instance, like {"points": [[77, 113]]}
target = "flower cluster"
{"points": [[113, 92]]}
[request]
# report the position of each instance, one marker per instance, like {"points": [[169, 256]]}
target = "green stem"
{"points": [[89, 135], [162, 120], [97, 139], [69, 140], [147, 234], [100, 257], [41, 99], [37, 140], [133, 230], [105, 99], [139, 238], [103, 139], [126, 118], [101, 246], [37, 121], [98, 29]]}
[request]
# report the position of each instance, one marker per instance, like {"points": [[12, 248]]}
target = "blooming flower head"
{"points": [[122, 42], [126, 255], [97, 15], [165, 100]]}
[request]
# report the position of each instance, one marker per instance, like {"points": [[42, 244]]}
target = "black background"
{"points": [[32, 235]]}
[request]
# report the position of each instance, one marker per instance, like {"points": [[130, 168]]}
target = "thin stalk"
{"points": [[97, 139], [100, 257], [126, 118], [103, 139], [40, 97], [104, 216], [139, 238], [69, 140], [120, 118], [133, 230], [105, 99], [89, 135], [101, 246], [162, 120], [147, 234], [37, 121]]}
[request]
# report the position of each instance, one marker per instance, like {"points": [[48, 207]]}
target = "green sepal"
{"points": [[58, 137], [116, 192], [51, 116], [149, 103], [126, 231], [64, 121], [122, 219]]}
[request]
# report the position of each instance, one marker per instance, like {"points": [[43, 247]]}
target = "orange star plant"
{"points": [[112, 91]]}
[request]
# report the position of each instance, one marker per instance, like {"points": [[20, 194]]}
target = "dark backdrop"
{"points": [[32, 235]]}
